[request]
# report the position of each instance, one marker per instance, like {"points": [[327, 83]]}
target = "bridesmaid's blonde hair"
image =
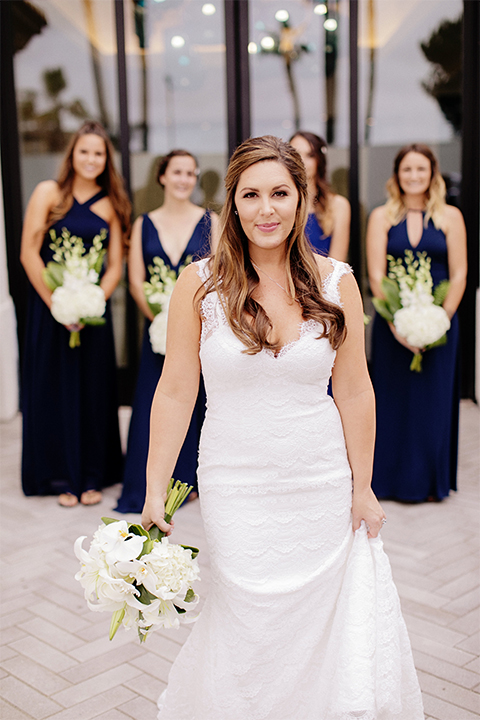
{"points": [[233, 275], [435, 200]]}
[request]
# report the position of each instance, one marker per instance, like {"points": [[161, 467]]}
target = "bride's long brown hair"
{"points": [[110, 180], [234, 277]]}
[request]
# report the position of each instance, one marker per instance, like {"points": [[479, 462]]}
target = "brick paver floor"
{"points": [[56, 659]]}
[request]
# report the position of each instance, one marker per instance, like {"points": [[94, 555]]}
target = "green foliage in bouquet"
{"points": [[69, 250], [406, 277]]}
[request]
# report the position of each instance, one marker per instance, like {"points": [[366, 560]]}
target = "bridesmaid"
{"points": [[417, 413], [328, 224], [71, 445], [172, 232]]}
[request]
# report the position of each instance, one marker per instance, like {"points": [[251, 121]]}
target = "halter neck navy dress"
{"points": [[151, 365], [71, 440], [417, 413], [319, 241]]}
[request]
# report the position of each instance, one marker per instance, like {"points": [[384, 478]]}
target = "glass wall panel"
{"points": [[176, 92], [299, 64], [410, 86], [65, 73]]}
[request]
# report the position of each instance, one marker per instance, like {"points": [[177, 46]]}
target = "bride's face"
{"points": [[266, 200]]}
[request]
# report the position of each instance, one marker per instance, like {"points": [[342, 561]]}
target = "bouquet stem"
{"points": [[416, 364], [74, 339], [177, 492]]}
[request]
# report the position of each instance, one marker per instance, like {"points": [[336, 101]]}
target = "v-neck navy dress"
{"points": [[71, 440], [318, 240], [151, 365], [417, 413]]}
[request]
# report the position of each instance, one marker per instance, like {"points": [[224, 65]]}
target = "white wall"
{"points": [[8, 334]]}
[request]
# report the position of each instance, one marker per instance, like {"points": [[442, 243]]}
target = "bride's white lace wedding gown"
{"points": [[303, 620]]}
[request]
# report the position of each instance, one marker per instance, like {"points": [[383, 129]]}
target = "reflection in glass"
{"points": [[300, 69], [176, 90]]}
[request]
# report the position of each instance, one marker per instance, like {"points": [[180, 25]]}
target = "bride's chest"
{"points": [[307, 360]]}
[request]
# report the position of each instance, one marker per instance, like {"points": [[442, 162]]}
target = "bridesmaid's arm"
{"points": [[377, 240], [113, 273], [136, 269], [341, 228], [215, 233], [456, 235], [43, 199], [354, 398], [175, 395]]}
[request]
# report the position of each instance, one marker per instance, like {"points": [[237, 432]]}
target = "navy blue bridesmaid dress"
{"points": [[417, 413], [71, 440], [151, 364], [319, 241]]}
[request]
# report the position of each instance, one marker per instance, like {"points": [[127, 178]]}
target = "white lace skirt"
{"points": [[302, 621]]}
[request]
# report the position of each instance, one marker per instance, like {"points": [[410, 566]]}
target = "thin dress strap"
{"points": [[98, 196]]}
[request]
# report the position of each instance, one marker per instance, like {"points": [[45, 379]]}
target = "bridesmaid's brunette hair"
{"points": [[109, 180], [233, 275], [435, 200], [166, 160], [323, 209]]}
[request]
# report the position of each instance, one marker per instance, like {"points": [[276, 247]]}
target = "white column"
{"points": [[8, 333]]}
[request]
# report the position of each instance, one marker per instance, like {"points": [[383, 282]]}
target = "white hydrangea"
{"points": [[76, 299], [421, 324], [158, 329], [171, 570]]}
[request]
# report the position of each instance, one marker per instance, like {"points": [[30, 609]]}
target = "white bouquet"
{"points": [[412, 305], [144, 581], [73, 275], [158, 291]]}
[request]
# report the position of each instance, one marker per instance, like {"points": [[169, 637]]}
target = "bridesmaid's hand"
{"points": [[366, 507], [154, 512], [402, 340]]}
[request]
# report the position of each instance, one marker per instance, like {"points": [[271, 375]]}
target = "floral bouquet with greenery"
{"points": [[158, 291], [139, 576], [73, 276], [412, 305]]}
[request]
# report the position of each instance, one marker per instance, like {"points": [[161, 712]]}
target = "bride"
{"points": [[303, 621]]}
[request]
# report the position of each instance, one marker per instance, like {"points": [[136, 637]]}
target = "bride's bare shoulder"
{"points": [[325, 266]]}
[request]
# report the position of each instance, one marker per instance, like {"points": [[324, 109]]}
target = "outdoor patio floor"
{"points": [[57, 661]]}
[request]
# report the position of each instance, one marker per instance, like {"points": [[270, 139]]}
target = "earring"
{"points": [[236, 212]]}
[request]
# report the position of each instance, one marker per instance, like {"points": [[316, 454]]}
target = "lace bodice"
{"points": [[214, 316]]}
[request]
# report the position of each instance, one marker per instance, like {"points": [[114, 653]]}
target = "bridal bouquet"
{"points": [[158, 291], [73, 276], [412, 304], [139, 576]]}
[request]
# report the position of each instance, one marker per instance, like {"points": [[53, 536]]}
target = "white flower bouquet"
{"points": [[412, 305], [138, 576], [73, 276], [158, 291]]}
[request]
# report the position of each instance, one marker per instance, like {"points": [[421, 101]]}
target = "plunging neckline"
{"points": [[304, 326], [414, 247], [174, 267]]}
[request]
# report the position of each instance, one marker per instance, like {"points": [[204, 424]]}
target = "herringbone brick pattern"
{"points": [[57, 663]]}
